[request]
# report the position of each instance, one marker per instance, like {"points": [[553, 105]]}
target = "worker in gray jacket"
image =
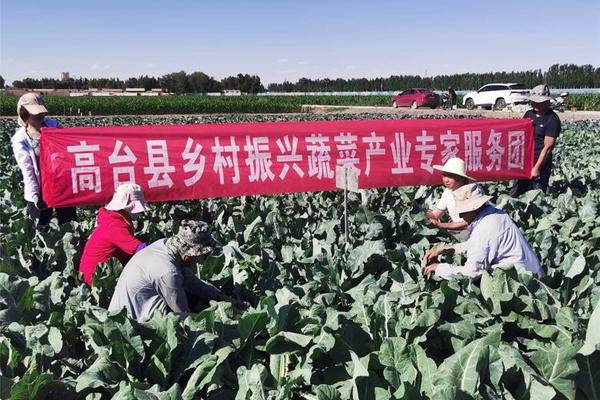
{"points": [[494, 241], [158, 278]]}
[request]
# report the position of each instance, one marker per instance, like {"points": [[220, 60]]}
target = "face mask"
{"points": [[33, 132], [131, 216]]}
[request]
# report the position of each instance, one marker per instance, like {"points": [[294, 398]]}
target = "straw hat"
{"points": [[455, 166], [469, 198], [128, 197], [34, 105]]}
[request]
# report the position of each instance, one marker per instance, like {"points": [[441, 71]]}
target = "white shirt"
{"points": [[495, 241], [24, 152]]}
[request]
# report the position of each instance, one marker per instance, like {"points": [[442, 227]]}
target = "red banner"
{"points": [[82, 166]]}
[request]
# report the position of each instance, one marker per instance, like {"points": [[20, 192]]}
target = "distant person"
{"points": [[495, 240], [546, 131], [31, 116], [113, 235], [159, 278], [453, 177], [452, 97]]}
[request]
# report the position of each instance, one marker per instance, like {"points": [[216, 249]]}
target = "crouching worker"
{"points": [[495, 240], [159, 278], [113, 235]]}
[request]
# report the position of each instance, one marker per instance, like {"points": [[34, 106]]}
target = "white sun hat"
{"points": [[34, 105], [128, 197], [455, 166], [540, 94], [469, 198]]}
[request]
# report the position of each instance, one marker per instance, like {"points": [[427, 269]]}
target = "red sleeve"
{"points": [[122, 256], [124, 240]]}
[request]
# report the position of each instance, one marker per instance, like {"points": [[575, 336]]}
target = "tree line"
{"points": [[176, 82], [557, 76]]}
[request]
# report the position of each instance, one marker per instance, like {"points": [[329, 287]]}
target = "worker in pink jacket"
{"points": [[113, 235]]}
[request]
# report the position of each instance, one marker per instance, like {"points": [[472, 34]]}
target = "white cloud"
{"points": [[302, 62], [97, 67], [37, 73], [283, 60], [286, 72]]}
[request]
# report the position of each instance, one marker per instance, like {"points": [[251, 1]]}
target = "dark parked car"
{"points": [[415, 98]]}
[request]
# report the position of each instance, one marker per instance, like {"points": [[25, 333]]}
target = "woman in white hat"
{"points": [[31, 116], [113, 235], [453, 177]]}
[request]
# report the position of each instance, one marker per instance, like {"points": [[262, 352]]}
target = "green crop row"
{"points": [[584, 101], [115, 105], [161, 105]]}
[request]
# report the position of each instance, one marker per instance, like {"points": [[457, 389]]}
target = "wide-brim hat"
{"points": [[193, 239], [469, 198], [542, 90], [455, 166], [34, 105], [128, 197], [539, 98]]}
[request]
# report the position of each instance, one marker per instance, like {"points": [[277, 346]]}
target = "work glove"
{"points": [[41, 205], [36, 207]]}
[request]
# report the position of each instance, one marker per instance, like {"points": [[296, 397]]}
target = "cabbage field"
{"points": [[328, 319]]}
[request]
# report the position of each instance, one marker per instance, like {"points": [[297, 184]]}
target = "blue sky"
{"points": [[280, 40]]}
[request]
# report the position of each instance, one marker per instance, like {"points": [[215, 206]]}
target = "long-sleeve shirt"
{"points": [[25, 149], [155, 280], [112, 237], [495, 241]]}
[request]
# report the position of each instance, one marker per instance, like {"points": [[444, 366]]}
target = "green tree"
{"points": [[143, 81], [176, 82], [199, 82]]}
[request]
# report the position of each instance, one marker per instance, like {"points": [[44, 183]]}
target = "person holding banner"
{"points": [[453, 177], [495, 240], [159, 278], [113, 235], [546, 130], [31, 116]]}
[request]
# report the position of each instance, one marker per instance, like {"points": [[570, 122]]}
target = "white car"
{"points": [[496, 95]]}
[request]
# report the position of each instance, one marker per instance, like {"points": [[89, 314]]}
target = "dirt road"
{"points": [[564, 116]]}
